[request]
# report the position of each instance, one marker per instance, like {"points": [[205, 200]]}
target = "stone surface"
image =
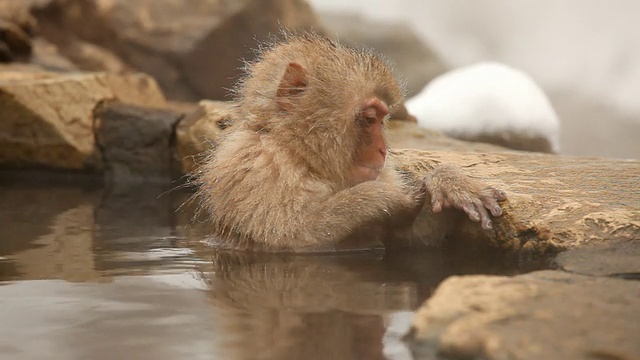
{"points": [[47, 120], [23, 72], [416, 62], [621, 260], [542, 315], [555, 203], [180, 46], [134, 141]]}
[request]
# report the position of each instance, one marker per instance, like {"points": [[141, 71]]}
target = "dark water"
{"points": [[88, 272]]}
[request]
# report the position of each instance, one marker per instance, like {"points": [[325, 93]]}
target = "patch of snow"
{"points": [[483, 99]]}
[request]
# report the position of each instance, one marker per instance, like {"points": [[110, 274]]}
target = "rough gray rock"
{"points": [[135, 141], [542, 315], [47, 119]]}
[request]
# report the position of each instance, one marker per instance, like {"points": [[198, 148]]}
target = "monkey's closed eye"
{"points": [[365, 121]]}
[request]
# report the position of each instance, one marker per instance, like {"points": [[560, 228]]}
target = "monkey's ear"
{"points": [[292, 83]]}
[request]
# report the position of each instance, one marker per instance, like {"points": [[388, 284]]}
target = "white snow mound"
{"points": [[484, 99]]}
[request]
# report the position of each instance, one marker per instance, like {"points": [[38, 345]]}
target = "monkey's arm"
{"points": [[353, 209]]}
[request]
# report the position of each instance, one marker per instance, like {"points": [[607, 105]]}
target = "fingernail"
{"points": [[490, 225]]}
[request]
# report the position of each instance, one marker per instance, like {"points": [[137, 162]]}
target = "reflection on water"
{"points": [[103, 273]]}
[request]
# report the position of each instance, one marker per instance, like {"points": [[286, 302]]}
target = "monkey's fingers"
{"points": [[470, 209], [476, 211], [485, 220], [491, 192], [499, 195], [492, 205], [490, 198]]}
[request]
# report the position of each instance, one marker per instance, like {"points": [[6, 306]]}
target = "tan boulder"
{"points": [[47, 120], [542, 315]]}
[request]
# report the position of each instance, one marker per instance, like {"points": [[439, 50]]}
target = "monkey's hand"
{"points": [[450, 187]]}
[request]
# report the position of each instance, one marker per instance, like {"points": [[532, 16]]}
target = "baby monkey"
{"points": [[306, 165]]}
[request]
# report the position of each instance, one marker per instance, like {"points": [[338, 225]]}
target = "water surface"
{"points": [[94, 272]]}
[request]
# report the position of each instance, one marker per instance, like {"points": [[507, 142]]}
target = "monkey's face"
{"points": [[325, 105], [371, 147]]}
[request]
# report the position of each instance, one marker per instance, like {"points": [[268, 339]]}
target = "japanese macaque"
{"points": [[306, 167]]}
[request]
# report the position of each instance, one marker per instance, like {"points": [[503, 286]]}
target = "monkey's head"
{"points": [[325, 102]]}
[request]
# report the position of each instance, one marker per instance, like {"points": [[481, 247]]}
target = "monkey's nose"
{"points": [[383, 151]]}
